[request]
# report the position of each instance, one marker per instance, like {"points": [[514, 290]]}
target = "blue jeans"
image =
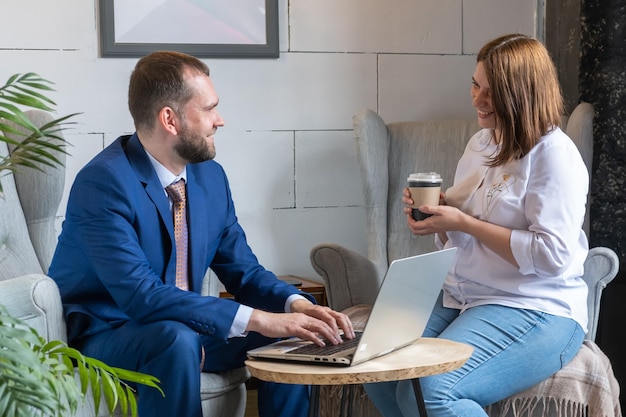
{"points": [[514, 349]]}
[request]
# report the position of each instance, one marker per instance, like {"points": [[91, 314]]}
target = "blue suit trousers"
{"points": [[172, 352]]}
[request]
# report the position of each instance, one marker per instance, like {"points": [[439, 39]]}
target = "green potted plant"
{"points": [[39, 377], [48, 378]]}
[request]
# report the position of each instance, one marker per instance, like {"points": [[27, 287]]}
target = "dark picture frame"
{"points": [[111, 46]]}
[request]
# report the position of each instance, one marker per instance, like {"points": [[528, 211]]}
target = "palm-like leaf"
{"points": [[39, 378], [39, 145]]}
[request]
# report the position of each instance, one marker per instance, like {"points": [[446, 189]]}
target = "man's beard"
{"points": [[193, 147]]}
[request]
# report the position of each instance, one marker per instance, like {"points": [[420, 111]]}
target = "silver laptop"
{"points": [[403, 305]]}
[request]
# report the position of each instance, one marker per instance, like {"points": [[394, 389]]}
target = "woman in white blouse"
{"points": [[515, 213]]}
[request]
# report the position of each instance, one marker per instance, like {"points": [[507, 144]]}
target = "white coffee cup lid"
{"points": [[425, 177]]}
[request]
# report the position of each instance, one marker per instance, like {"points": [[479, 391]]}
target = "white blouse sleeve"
{"points": [[554, 207]]}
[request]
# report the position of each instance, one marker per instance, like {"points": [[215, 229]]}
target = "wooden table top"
{"points": [[426, 356]]}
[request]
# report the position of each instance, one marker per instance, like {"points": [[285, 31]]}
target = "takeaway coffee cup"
{"points": [[425, 188]]}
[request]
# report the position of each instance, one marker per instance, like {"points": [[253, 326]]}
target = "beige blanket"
{"points": [[586, 387]]}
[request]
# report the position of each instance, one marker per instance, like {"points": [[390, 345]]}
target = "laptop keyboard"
{"points": [[328, 350]]}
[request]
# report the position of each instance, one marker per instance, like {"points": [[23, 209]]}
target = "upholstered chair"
{"points": [[387, 154], [29, 206]]}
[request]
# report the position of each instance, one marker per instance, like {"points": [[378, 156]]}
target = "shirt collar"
{"points": [[165, 176]]}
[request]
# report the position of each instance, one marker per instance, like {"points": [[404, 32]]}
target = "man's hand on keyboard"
{"points": [[307, 321]]}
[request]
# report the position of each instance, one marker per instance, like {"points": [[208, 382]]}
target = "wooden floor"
{"points": [[251, 404]]}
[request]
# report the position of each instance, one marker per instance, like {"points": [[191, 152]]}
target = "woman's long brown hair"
{"points": [[525, 91]]}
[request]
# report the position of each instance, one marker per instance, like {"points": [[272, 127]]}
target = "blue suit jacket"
{"points": [[115, 259]]}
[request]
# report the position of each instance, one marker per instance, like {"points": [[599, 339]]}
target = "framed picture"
{"points": [[203, 28]]}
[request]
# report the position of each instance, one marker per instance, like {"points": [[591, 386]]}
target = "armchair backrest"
{"points": [[17, 254], [387, 154], [579, 127], [29, 207], [40, 194]]}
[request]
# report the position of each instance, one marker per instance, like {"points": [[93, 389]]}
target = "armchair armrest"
{"points": [[350, 277], [35, 299], [601, 266]]}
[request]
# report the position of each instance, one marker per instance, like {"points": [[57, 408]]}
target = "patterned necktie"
{"points": [[176, 191]]}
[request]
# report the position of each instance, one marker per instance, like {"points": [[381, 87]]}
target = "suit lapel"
{"points": [[145, 172], [197, 216]]}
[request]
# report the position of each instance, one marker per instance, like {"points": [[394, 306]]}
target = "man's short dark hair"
{"points": [[158, 81]]}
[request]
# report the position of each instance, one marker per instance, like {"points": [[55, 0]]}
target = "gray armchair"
{"points": [[27, 241], [387, 153]]}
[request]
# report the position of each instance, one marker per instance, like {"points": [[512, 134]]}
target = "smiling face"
{"points": [[516, 92], [481, 98], [200, 120]]}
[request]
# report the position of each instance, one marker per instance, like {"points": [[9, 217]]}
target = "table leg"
{"points": [[421, 407], [314, 401]]}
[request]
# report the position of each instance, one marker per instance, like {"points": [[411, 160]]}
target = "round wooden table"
{"points": [[424, 357]]}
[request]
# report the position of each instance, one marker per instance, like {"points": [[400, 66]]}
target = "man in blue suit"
{"points": [[115, 263]]}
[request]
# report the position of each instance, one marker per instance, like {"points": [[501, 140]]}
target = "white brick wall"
{"points": [[287, 144]]}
